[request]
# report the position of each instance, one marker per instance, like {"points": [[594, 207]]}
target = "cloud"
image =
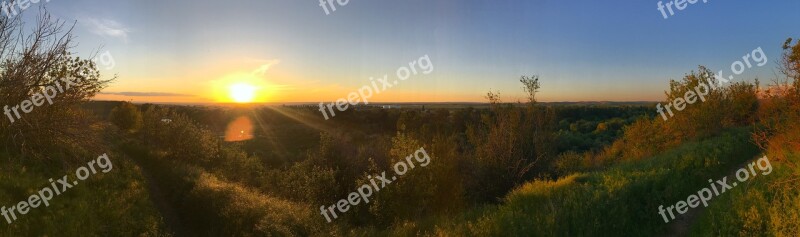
{"points": [[107, 27], [144, 94], [265, 67]]}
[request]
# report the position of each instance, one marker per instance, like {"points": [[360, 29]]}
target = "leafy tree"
{"points": [[180, 138], [29, 64], [780, 110], [513, 144]]}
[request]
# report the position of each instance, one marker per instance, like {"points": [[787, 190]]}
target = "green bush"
{"points": [[126, 116]]}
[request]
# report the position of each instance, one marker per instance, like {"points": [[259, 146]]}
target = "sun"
{"points": [[242, 88], [242, 92]]}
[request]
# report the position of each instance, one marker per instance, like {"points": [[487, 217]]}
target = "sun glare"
{"points": [[242, 92]]}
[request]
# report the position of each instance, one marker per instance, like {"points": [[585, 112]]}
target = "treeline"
{"points": [[588, 128]]}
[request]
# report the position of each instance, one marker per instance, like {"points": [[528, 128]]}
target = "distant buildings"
{"points": [[390, 106]]}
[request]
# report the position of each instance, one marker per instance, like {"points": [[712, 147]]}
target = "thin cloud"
{"points": [[145, 94], [265, 67], [107, 27]]}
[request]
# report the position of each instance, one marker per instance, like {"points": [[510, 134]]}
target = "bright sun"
{"points": [[242, 92]]}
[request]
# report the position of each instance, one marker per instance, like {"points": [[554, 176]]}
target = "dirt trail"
{"points": [[171, 218], [683, 223]]}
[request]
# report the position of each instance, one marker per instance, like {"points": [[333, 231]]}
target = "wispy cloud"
{"points": [[144, 94], [265, 67], [107, 27]]}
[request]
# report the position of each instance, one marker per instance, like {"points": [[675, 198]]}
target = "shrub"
{"points": [[127, 117], [568, 163]]}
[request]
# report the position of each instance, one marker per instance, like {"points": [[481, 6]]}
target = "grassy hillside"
{"points": [[112, 204], [209, 205], [620, 200], [768, 206]]}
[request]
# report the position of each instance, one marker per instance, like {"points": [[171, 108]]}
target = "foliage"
{"points": [[126, 116], [623, 199], [770, 205], [115, 203], [28, 64], [725, 107], [780, 132]]}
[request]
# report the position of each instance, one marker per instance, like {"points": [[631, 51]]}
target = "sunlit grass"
{"points": [[768, 205], [211, 205], [622, 199]]}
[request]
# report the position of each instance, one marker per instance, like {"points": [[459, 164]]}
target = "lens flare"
{"points": [[240, 129]]}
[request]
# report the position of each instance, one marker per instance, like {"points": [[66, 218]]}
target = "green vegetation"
{"points": [[209, 205], [771, 206], [623, 199], [117, 203], [127, 117], [52, 141], [767, 205]]}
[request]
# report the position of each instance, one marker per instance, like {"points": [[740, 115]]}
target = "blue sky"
{"points": [[582, 50]]}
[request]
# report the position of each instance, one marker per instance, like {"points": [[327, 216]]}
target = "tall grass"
{"points": [[211, 206], [767, 206], [622, 200], [112, 204]]}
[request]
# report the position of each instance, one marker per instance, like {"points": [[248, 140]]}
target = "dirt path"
{"points": [[171, 218], [683, 223]]}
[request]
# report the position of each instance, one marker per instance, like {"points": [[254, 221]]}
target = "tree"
{"points": [[127, 117], [531, 86], [513, 145], [32, 63], [779, 112]]}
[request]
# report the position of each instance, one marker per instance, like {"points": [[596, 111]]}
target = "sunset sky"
{"points": [[165, 51]]}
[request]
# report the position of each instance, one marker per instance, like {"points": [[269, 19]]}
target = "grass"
{"points": [[112, 204], [767, 206], [622, 200], [211, 206]]}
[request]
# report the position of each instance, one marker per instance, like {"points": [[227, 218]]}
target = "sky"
{"points": [[292, 51]]}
